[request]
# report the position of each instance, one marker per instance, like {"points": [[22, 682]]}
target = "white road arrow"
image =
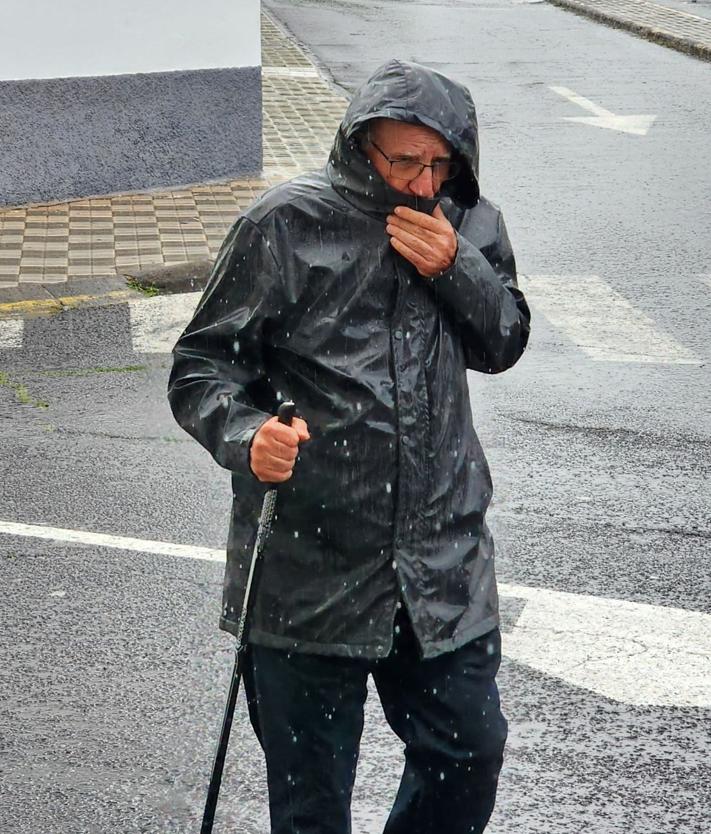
{"points": [[637, 125]]}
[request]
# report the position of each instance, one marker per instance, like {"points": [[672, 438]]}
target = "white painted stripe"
{"points": [[600, 321], [11, 331], [156, 323], [290, 72], [581, 101], [628, 651], [706, 278], [60, 534]]}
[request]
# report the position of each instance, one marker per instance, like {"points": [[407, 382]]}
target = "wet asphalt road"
{"points": [[115, 674], [112, 670]]}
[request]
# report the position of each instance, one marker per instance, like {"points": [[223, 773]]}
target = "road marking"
{"points": [[631, 652], [600, 321], [627, 651], [706, 278], [60, 534], [11, 331], [156, 323], [638, 125]]}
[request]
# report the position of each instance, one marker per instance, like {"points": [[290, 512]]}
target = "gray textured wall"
{"points": [[76, 137]]}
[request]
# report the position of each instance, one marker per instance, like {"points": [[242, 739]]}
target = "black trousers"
{"points": [[307, 712]]}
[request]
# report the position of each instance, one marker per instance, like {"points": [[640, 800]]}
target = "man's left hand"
{"points": [[429, 242]]}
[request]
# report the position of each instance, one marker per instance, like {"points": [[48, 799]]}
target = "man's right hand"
{"points": [[274, 449]]}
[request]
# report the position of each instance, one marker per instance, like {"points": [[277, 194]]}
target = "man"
{"points": [[363, 293]]}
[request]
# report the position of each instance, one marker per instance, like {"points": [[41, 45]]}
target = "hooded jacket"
{"points": [[309, 302]]}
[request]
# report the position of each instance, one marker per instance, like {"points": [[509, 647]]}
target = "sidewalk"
{"points": [[680, 30], [79, 249]]}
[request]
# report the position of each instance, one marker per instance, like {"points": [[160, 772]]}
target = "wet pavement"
{"points": [[114, 674]]}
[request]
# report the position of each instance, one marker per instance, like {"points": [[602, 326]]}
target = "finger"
{"points": [[415, 258], [419, 231], [272, 446], [276, 463], [414, 242], [419, 218], [439, 214], [303, 430], [283, 433]]}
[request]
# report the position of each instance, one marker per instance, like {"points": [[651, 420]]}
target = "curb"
{"points": [[36, 307], [186, 276], [183, 277], [695, 49]]}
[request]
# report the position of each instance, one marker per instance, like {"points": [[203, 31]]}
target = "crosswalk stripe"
{"points": [[156, 323], [60, 534], [600, 321], [584, 308], [11, 333], [629, 651]]}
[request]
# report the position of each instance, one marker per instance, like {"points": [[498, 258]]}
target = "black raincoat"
{"points": [[309, 302]]}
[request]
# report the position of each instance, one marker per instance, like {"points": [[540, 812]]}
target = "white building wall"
{"points": [[84, 38]]}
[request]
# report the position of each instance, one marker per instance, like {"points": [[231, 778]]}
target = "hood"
{"points": [[412, 93]]}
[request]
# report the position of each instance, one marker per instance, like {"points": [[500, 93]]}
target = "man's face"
{"points": [[403, 141]]}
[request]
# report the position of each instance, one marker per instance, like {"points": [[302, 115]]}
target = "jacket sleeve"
{"points": [[482, 295], [218, 361]]}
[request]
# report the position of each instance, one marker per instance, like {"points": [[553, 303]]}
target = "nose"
{"points": [[424, 185]]}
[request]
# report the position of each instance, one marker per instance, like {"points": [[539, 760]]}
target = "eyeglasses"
{"points": [[410, 169]]}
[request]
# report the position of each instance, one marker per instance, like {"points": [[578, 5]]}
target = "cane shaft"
{"points": [[285, 415], [213, 790]]}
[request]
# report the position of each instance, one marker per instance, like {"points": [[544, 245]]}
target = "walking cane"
{"points": [[285, 414]]}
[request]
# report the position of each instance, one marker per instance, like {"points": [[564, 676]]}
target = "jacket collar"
{"points": [[355, 178]]}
